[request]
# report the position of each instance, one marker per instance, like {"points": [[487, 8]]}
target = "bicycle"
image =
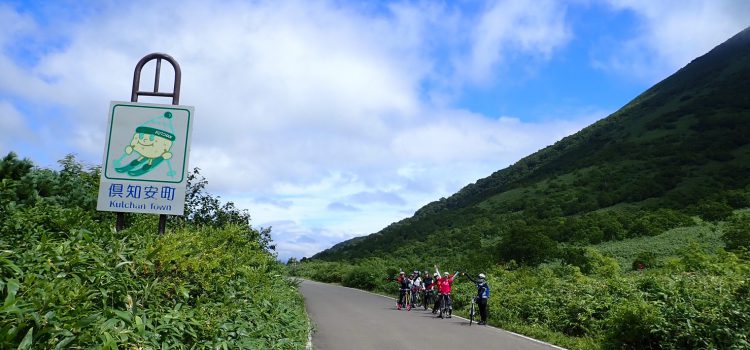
{"points": [[402, 298], [472, 311], [417, 297], [444, 308], [407, 299]]}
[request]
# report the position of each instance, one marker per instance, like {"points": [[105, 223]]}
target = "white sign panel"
{"points": [[146, 158]]}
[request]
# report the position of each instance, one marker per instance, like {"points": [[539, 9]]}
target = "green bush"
{"points": [[360, 277], [738, 199], [589, 260], [656, 222], [526, 246], [644, 260], [714, 211], [631, 326], [576, 256], [323, 271], [737, 234]]}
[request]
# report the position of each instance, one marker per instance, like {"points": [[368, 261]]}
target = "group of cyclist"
{"points": [[436, 288]]}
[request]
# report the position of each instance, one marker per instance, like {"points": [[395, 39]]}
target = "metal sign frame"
{"points": [[136, 92]]}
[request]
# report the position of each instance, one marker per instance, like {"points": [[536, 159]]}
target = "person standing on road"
{"points": [[444, 288], [427, 282], [403, 284], [416, 286], [483, 295]]}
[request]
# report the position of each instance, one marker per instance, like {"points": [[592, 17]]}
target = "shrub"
{"points": [[644, 260], [526, 246], [737, 234], [576, 256], [738, 199], [714, 211], [323, 271], [360, 277], [656, 222], [631, 327], [590, 260]]}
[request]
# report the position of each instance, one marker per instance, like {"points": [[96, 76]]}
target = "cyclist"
{"points": [[403, 283], [416, 286], [436, 288], [429, 289], [483, 294], [444, 288]]}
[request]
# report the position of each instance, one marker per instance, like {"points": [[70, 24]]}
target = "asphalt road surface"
{"points": [[345, 319]]}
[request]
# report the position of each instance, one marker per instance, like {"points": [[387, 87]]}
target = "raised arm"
{"points": [[436, 270], [469, 277]]}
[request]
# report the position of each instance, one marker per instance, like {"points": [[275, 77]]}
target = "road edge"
{"points": [[309, 346]]}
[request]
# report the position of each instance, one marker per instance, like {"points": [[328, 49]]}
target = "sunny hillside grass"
{"points": [[665, 245], [69, 281]]}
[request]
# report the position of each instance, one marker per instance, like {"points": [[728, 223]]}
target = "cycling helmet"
{"points": [[436, 274], [481, 275], [401, 273], [446, 274]]}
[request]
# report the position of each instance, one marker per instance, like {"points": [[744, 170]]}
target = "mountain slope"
{"points": [[682, 147]]}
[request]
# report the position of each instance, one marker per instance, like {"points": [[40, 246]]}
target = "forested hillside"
{"points": [[68, 280], [677, 150]]}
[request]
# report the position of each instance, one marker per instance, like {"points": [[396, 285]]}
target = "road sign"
{"points": [[146, 158]]}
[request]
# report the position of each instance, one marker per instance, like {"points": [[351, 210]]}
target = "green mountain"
{"points": [[680, 149]]}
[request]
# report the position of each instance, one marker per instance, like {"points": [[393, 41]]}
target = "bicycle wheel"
{"points": [[448, 310], [442, 306], [471, 313]]}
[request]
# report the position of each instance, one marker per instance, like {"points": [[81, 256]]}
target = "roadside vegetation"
{"points": [[69, 281], [689, 293]]}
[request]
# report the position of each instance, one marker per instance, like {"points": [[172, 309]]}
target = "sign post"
{"points": [[147, 150]]}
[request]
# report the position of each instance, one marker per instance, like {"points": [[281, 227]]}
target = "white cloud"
{"points": [[377, 197], [12, 127], [342, 207], [300, 105], [672, 33], [460, 136], [516, 26], [300, 241]]}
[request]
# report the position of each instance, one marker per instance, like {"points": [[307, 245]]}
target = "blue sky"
{"points": [[332, 119]]}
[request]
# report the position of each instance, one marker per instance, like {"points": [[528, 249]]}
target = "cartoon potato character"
{"points": [[152, 144]]}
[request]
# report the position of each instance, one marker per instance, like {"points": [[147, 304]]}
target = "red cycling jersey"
{"points": [[444, 284]]}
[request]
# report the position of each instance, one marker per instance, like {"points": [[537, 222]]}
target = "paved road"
{"points": [[347, 319]]}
